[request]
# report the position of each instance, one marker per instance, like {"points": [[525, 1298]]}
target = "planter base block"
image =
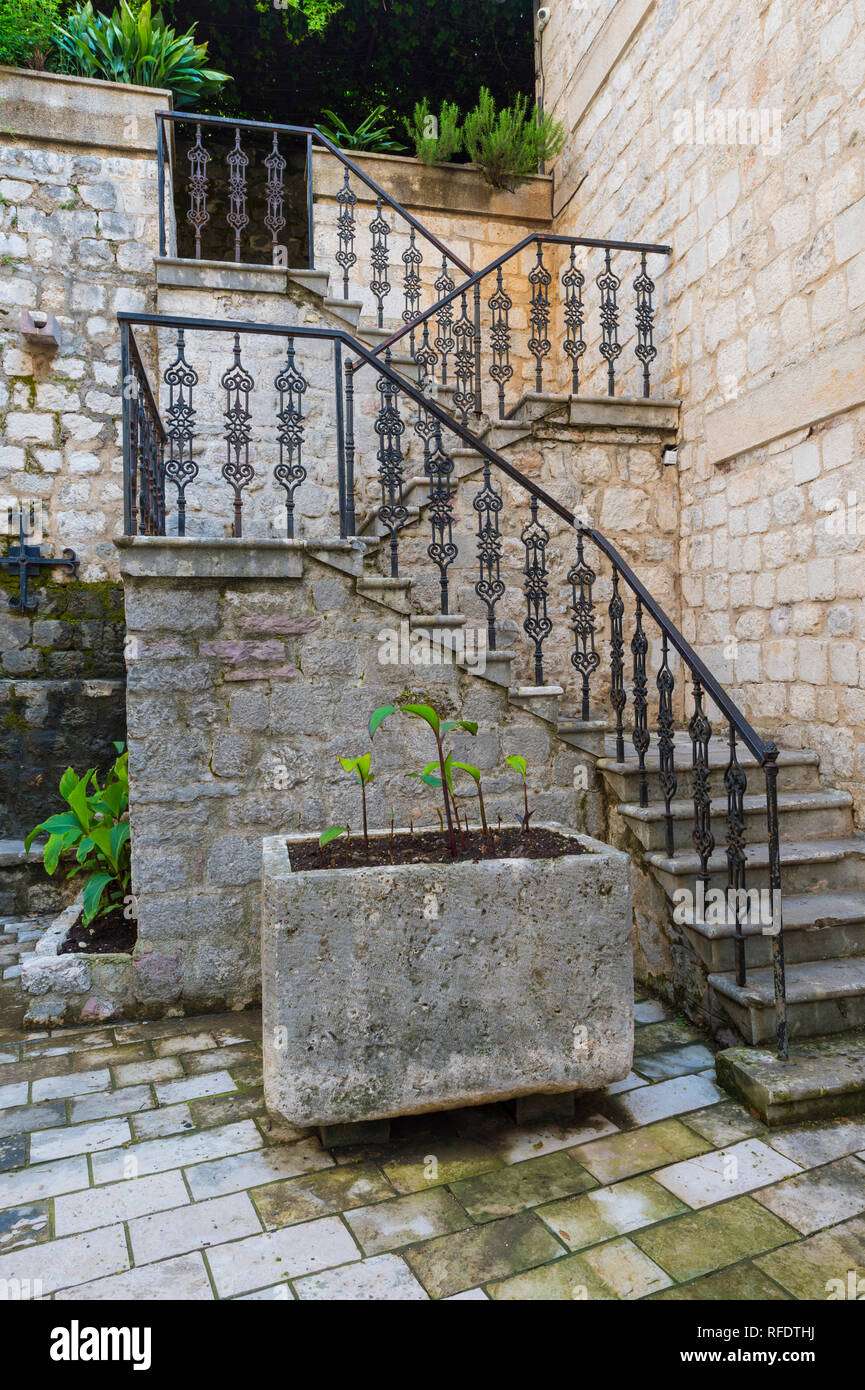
{"points": [[528, 1110], [360, 1132]]}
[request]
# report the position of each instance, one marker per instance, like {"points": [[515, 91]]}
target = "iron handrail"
{"points": [[533, 238], [691, 659], [310, 133], [144, 382]]}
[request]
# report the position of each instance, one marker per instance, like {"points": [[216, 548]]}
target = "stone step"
{"points": [[803, 816], [817, 926], [807, 866], [394, 594], [348, 309], [589, 735], [823, 996], [318, 281], [822, 1077], [495, 667], [540, 700], [798, 769]]}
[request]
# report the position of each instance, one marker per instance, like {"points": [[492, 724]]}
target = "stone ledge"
{"points": [[454, 189], [67, 110], [607, 412], [828, 383], [178, 273], [186, 557]]}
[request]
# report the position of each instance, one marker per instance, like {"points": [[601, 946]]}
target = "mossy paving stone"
{"points": [[743, 1281], [230, 1059], [658, 1037], [820, 1197], [111, 1056], [318, 1194], [247, 1077], [610, 1211], [636, 1151], [705, 1240], [504, 1192], [24, 1119], [568, 1279], [807, 1268], [725, 1123], [437, 1164], [218, 1110], [406, 1220], [13, 1152], [449, 1264], [24, 1226], [35, 1070]]}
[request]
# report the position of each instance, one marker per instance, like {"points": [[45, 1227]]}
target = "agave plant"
{"points": [[139, 48], [370, 135], [96, 830]]}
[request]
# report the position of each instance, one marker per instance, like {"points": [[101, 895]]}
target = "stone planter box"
{"points": [[73, 988], [397, 990]]}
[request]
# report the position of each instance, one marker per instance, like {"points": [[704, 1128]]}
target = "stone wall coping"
{"points": [[62, 109], [453, 189], [201, 557]]}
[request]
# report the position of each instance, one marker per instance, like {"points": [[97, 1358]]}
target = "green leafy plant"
{"points": [[440, 728], [361, 767], [26, 31], [375, 138], [475, 775], [518, 762], [509, 145], [134, 46], [302, 17], [436, 139], [96, 830]]}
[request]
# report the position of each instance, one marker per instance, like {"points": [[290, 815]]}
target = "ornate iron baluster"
{"points": [[700, 731], [345, 257], [237, 471], [645, 350], [464, 362], [584, 657], [444, 342], [610, 347], [426, 359], [537, 625], [237, 215], [617, 665], [770, 768], [379, 285], [180, 468], [274, 220], [197, 214], [539, 315], [438, 467], [666, 742], [573, 281], [501, 370], [736, 784], [639, 648], [390, 428], [490, 587], [289, 472], [412, 260]]}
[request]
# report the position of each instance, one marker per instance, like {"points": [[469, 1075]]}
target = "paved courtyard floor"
{"points": [[138, 1161]]}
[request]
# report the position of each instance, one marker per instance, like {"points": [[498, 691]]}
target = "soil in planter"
{"points": [[108, 935], [430, 847]]}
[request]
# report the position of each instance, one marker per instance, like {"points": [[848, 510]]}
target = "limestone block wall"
{"points": [[77, 237], [733, 131], [252, 667]]}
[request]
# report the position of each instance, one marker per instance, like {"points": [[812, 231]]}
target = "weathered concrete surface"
{"points": [[822, 1078], [424, 987]]}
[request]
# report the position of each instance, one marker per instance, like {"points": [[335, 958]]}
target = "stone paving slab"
{"points": [[138, 1161]]}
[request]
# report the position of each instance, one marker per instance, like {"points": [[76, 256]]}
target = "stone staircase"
{"points": [[822, 856]]}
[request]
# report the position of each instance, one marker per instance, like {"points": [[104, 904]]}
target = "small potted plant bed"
{"points": [[405, 972]]}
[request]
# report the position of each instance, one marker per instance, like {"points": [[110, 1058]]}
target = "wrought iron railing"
{"points": [[597, 337], [245, 215], [167, 456]]}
